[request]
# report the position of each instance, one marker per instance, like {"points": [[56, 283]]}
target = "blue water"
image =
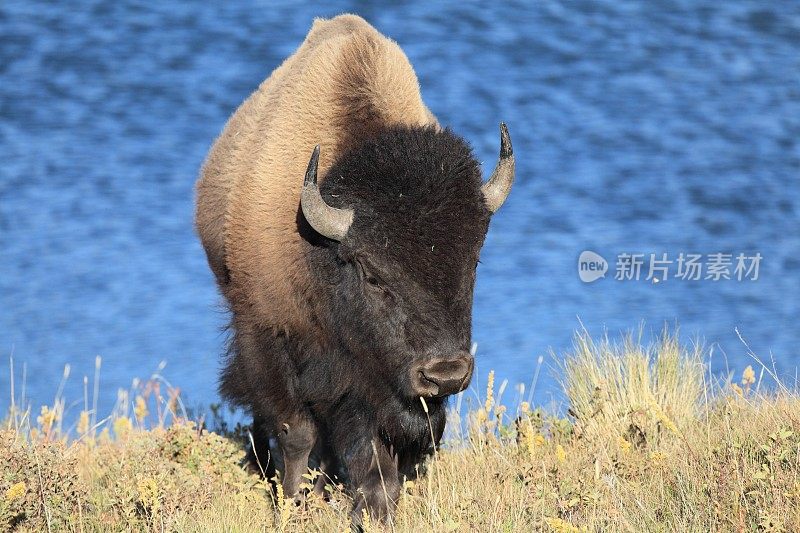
{"points": [[643, 127]]}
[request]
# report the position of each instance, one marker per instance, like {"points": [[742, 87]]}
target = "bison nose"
{"points": [[442, 376]]}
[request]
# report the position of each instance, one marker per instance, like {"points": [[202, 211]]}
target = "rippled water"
{"points": [[638, 126]]}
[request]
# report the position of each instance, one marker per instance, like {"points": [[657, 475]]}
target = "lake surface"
{"points": [[638, 127]]}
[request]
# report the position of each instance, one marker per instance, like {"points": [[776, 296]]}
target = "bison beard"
{"points": [[352, 299]]}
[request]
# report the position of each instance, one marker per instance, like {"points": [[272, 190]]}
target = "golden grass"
{"points": [[649, 445], [630, 390]]}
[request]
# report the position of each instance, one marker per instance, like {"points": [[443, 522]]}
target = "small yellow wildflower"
{"points": [[148, 494], [737, 389], [122, 426], [489, 392], [526, 438], [793, 493], [480, 417], [524, 408], [284, 509], [140, 409], [662, 417], [540, 440], [46, 419], [15, 491], [83, 422], [658, 458], [668, 423], [561, 455], [366, 522], [748, 376], [562, 526], [623, 443]]}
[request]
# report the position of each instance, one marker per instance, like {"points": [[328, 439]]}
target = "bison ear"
{"points": [[328, 221], [495, 191]]}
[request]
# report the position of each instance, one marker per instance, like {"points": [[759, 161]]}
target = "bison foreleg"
{"points": [[259, 456], [373, 472], [296, 438]]}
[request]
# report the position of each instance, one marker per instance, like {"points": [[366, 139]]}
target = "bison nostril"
{"points": [[442, 377], [429, 387], [426, 378]]}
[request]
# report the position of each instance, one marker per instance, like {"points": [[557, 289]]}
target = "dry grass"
{"points": [[631, 390], [649, 445]]}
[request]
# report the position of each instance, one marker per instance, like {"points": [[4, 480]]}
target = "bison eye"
{"points": [[373, 282], [377, 286]]}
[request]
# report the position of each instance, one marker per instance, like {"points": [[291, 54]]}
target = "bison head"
{"points": [[404, 217]]}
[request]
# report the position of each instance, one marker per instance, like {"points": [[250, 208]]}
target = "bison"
{"points": [[349, 277]]}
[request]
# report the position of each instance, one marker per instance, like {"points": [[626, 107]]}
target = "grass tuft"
{"points": [[630, 390]]}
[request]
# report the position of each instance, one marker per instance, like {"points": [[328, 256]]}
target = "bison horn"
{"points": [[328, 221], [497, 188]]}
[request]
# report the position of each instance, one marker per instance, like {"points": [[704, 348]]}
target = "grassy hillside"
{"points": [[649, 444]]}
